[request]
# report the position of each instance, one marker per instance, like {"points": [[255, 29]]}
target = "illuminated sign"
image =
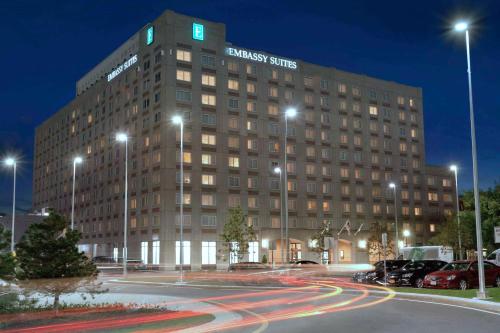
{"points": [[261, 57], [150, 35], [122, 67], [198, 31]]}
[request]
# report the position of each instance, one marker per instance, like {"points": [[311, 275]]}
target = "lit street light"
{"points": [[11, 162], [289, 113], [177, 120], [454, 168], [406, 234], [277, 170], [460, 27], [123, 137], [393, 186], [76, 160]]}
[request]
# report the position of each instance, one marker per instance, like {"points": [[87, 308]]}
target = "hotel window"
{"points": [[233, 103], [252, 183], [346, 207], [274, 203], [375, 158], [447, 197], [183, 75], [326, 171], [183, 55], [402, 147], [413, 118], [310, 152], [292, 204], [325, 136], [233, 200], [234, 181], [208, 139], [251, 107], [342, 88], [418, 211], [253, 163], [414, 149], [207, 60], [252, 144], [377, 210], [208, 252], [357, 157], [292, 186], [373, 110], [273, 91], [432, 227], [274, 129], [133, 222], [326, 206], [325, 153], [288, 77], [233, 85], [251, 125], [358, 173], [186, 198], [186, 252], [402, 116], [232, 66], [251, 88], [274, 147], [275, 222], [156, 253], [251, 69], [208, 99], [357, 140], [183, 96], [356, 91], [208, 119], [208, 200], [233, 162], [431, 181], [374, 143], [233, 123], [415, 164], [326, 188], [344, 172], [289, 95], [207, 159], [324, 101], [309, 134], [208, 80], [325, 118], [323, 84], [401, 100], [356, 123], [274, 74], [432, 196], [274, 184], [344, 139], [446, 182], [311, 205], [207, 179], [308, 81], [291, 149], [308, 99], [310, 169], [414, 133], [253, 202], [360, 208], [309, 116], [405, 195], [272, 109], [311, 187], [416, 196], [405, 210]]}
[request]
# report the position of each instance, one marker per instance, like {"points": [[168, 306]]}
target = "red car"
{"points": [[462, 275]]}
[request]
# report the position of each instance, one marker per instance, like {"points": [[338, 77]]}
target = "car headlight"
{"points": [[427, 278], [451, 277], [407, 275]]}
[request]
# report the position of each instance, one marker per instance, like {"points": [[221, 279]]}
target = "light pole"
{"points": [[406, 234], [177, 120], [454, 168], [123, 137], [464, 26], [277, 170], [76, 160], [289, 113], [11, 162], [396, 242]]}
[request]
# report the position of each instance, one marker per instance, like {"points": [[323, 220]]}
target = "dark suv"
{"points": [[377, 275], [413, 273]]}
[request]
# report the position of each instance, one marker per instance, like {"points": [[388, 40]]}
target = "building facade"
{"points": [[352, 136]]}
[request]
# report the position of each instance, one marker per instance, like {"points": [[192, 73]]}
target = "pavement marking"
{"points": [[264, 323]]}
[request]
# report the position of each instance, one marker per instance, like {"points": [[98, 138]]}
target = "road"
{"points": [[287, 303]]}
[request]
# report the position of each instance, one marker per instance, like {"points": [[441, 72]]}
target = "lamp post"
{"points": [[289, 113], [123, 137], [406, 234], [76, 160], [11, 162], [396, 242], [277, 170], [177, 120], [460, 27], [454, 168]]}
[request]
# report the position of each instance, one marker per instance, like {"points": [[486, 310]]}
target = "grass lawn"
{"points": [[493, 293]]}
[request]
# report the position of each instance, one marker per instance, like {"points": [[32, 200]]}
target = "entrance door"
{"points": [[295, 251]]}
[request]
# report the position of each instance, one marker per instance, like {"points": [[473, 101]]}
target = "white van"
{"points": [[494, 257], [443, 253]]}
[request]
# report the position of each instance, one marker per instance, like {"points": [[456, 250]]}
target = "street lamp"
{"points": [[289, 113], [406, 234], [76, 160], [454, 168], [277, 170], [460, 27], [177, 120], [11, 162], [123, 137], [393, 186]]}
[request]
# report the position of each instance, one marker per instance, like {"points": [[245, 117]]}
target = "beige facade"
{"points": [[353, 136]]}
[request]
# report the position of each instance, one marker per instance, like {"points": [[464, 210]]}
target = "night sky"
{"points": [[48, 45]]}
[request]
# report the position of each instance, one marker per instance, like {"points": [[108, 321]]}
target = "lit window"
{"points": [[208, 139], [183, 75], [183, 55], [208, 80], [234, 162], [233, 85], [207, 99]]}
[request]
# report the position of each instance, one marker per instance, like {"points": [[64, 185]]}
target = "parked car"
{"points": [[306, 264], [494, 257], [104, 262], [414, 272], [247, 266], [462, 275], [377, 274]]}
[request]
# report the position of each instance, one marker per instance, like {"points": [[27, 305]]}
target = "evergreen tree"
{"points": [[50, 262], [236, 233], [7, 260]]}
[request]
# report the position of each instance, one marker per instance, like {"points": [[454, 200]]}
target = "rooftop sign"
{"points": [[261, 57], [198, 31], [132, 60]]}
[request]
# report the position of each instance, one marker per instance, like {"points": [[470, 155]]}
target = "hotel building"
{"points": [[352, 136]]}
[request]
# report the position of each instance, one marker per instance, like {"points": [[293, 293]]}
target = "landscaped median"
{"points": [[493, 293]]}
